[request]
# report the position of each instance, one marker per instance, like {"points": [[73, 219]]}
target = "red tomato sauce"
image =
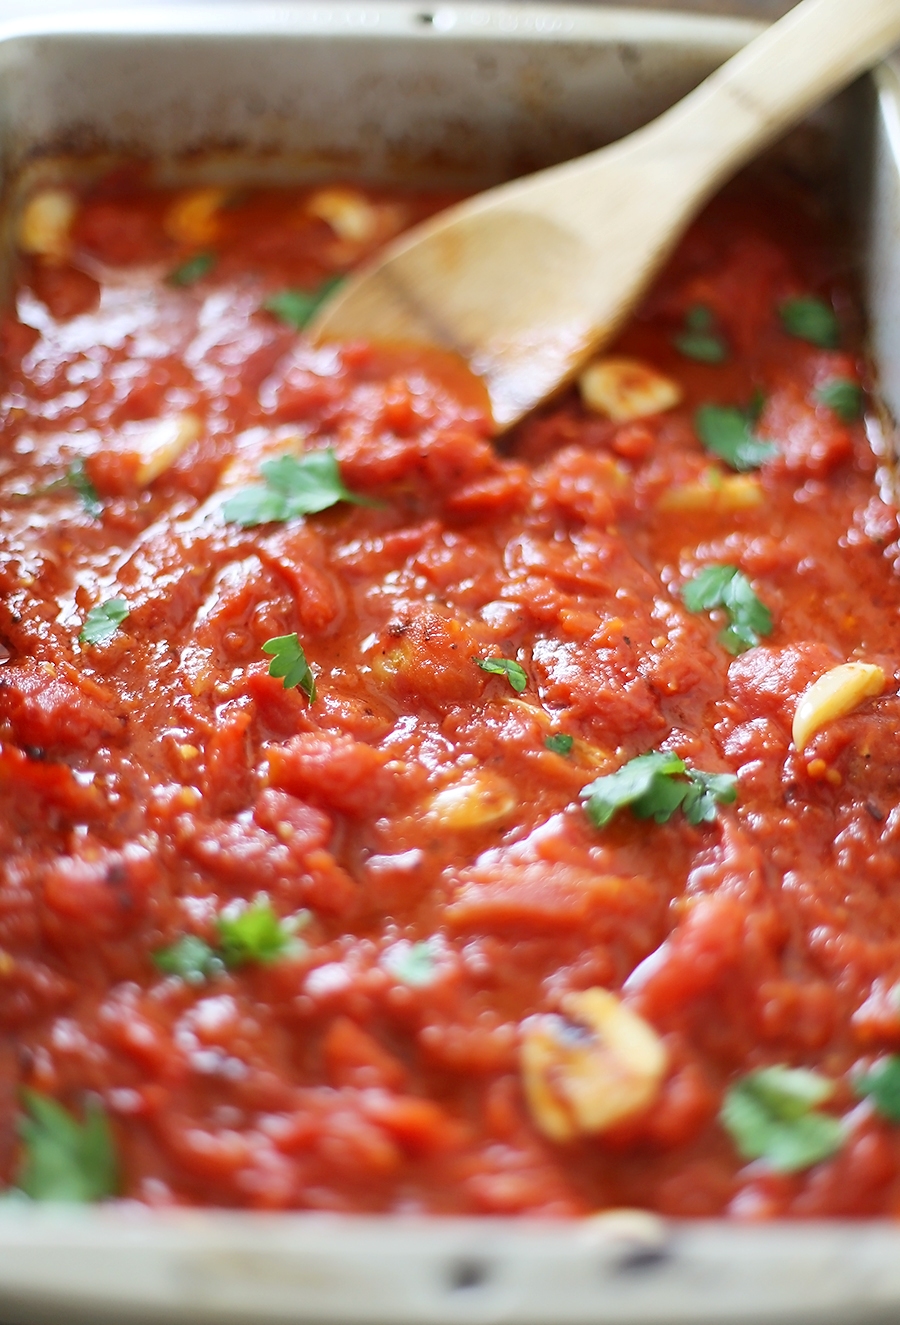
{"points": [[444, 890]]}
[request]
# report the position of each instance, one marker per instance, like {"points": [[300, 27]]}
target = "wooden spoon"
{"points": [[527, 280]]}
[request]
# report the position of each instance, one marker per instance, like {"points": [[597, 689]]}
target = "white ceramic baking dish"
{"points": [[467, 94]]}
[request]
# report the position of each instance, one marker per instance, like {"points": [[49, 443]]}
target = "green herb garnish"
{"points": [[559, 743], [842, 396], [296, 307], [245, 932], [699, 340], [252, 932], [882, 1085], [191, 959], [193, 270], [102, 622], [64, 1159], [654, 786], [413, 964], [514, 672], [810, 319], [292, 487], [77, 479], [727, 587], [728, 433], [289, 663], [772, 1115]]}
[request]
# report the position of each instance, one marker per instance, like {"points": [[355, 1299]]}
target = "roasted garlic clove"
{"points": [[624, 389], [193, 218], [161, 443], [838, 692], [475, 801], [723, 496], [349, 213], [590, 1068], [46, 222]]}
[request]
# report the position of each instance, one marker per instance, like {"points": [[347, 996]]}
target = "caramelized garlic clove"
{"points": [[625, 389], [162, 444], [838, 692], [193, 218], [349, 213], [475, 801], [46, 222], [590, 1068]]}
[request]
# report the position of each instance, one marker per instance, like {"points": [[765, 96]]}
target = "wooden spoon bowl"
{"points": [[528, 280]]}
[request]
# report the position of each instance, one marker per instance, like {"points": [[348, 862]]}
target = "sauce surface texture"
{"points": [[301, 903]]}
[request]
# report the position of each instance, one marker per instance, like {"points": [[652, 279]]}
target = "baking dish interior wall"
{"points": [[393, 98]]}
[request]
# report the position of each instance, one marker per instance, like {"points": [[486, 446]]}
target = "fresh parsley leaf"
{"points": [[644, 783], [706, 791], [699, 340], [191, 959], [246, 931], [654, 786], [296, 307], [255, 506], [699, 318], [726, 586], [289, 663], [772, 1115], [842, 396], [77, 479], [252, 932], [102, 622], [882, 1085], [193, 270], [755, 405], [513, 671], [64, 1159], [810, 319], [292, 487], [414, 963], [559, 743], [728, 433]]}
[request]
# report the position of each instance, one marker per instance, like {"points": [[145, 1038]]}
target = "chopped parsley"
{"points": [[810, 319], [192, 270], [77, 479], [699, 339], [191, 959], [559, 743], [773, 1115], [413, 964], [102, 622], [727, 587], [882, 1085], [296, 307], [843, 397], [513, 671], [64, 1159], [289, 663], [654, 786], [246, 932], [291, 487], [729, 434], [252, 932]]}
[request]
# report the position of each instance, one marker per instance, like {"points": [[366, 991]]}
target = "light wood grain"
{"points": [[528, 280]]}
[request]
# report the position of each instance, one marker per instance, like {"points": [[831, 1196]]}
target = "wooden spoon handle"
{"points": [[819, 47]]}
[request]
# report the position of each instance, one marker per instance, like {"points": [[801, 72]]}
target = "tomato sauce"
{"points": [[413, 836]]}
